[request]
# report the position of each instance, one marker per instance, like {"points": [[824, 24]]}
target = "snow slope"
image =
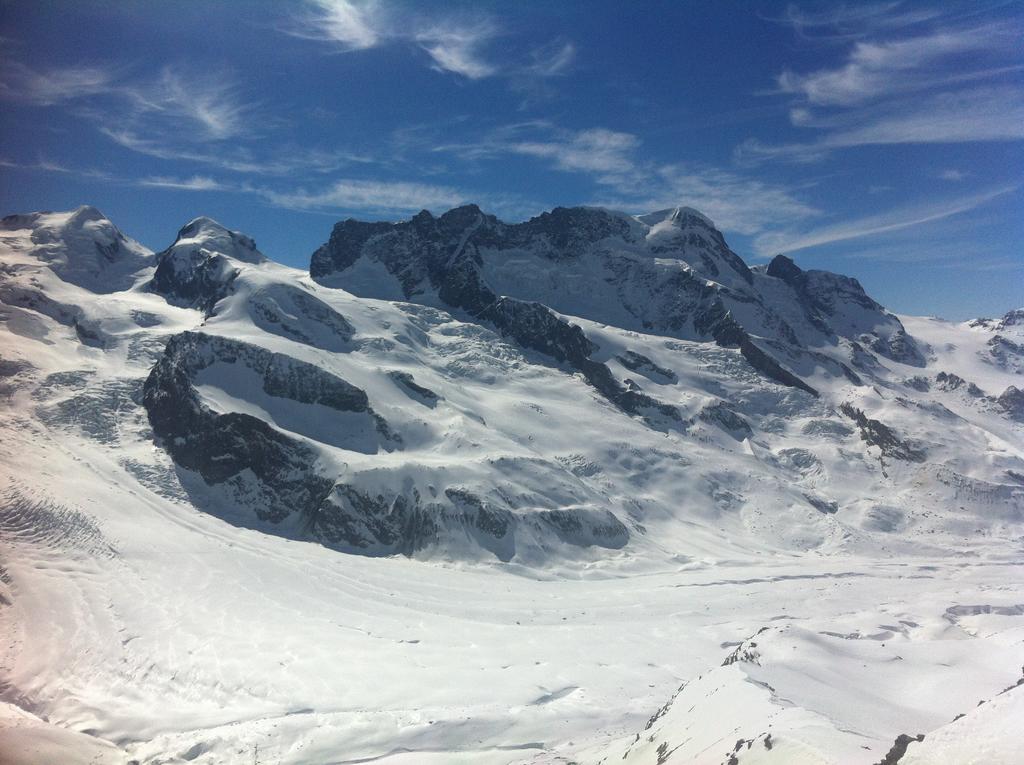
{"points": [[539, 567]]}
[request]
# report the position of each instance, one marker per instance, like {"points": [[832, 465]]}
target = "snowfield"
{"points": [[402, 531]]}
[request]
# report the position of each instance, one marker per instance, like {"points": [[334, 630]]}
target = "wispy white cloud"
{"points": [[456, 48], [596, 150], [902, 81], [57, 85], [195, 183], [551, 60], [350, 26], [773, 242], [369, 195], [610, 155], [366, 196], [952, 174], [454, 43], [979, 115], [877, 69], [282, 161], [202, 105], [846, 21], [49, 166], [207, 100]]}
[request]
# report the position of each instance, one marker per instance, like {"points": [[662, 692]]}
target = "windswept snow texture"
{"points": [[581, 489]]}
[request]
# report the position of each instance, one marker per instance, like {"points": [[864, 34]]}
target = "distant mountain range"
{"points": [[587, 383]]}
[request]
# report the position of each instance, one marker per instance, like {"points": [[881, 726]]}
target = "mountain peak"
{"points": [[212, 236], [202, 264], [783, 268], [82, 247], [85, 214], [679, 217]]}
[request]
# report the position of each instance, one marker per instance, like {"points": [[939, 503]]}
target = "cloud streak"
{"points": [[207, 104], [283, 161], [981, 115], [195, 183], [348, 25], [369, 195], [953, 84], [455, 48], [453, 44], [774, 242]]}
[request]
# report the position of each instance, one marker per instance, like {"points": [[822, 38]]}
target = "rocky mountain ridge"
{"points": [[291, 404]]}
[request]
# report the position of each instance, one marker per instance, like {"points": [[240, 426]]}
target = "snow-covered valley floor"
{"points": [[182, 638]]}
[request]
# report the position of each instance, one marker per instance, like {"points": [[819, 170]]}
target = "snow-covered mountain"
{"points": [[591, 398]]}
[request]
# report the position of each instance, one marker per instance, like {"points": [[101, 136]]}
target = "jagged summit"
{"points": [[207, 234], [679, 217], [198, 269], [669, 272], [782, 267]]}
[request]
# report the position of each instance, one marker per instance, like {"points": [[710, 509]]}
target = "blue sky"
{"points": [[883, 140]]}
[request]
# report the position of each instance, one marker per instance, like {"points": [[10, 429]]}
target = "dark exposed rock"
{"points": [[824, 297], [199, 269], [949, 381], [197, 280], [229, 447], [145, 319], [899, 346], [13, 367], [722, 416], [1011, 401], [746, 651], [452, 266], [1006, 353], [279, 476], [825, 506], [357, 522], [86, 330], [639, 363], [535, 326], [918, 383], [784, 268], [876, 433], [899, 748], [290, 312], [586, 527], [827, 428], [721, 325], [443, 254], [568, 231], [281, 375], [1009, 319], [345, 246], [276, 474], [407, 383]]}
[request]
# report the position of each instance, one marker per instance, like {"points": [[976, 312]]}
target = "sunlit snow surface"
{"points": [[137, 627]]}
